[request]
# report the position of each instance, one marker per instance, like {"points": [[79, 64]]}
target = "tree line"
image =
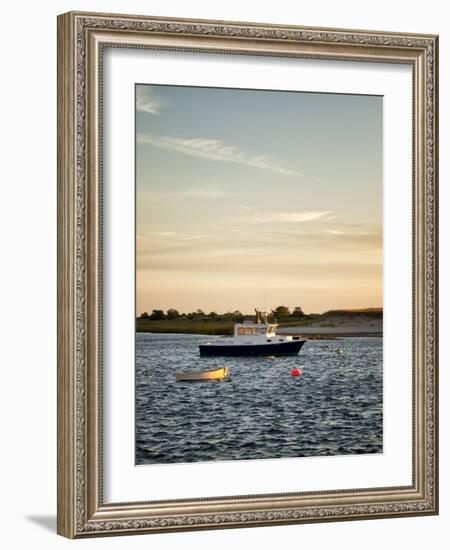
{"points": [[280, 312]]}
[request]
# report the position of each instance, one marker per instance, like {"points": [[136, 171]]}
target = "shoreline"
{"points": [[333, 336], [341, 331], [333, 324], [313, 335]]}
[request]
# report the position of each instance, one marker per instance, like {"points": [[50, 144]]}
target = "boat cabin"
{"points": [[254, 332], [258, 332]]}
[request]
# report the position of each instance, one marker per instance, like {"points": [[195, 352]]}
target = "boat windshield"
{"points": [[246, 331], [252, 331]]}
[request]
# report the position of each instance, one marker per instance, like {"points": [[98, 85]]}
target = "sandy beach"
{"points": [[339, 326]]}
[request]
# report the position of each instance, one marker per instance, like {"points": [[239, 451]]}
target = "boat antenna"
{"points": [[265, 294]]}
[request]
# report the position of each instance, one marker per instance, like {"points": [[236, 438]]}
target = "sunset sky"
{"points": [[249, 198]]}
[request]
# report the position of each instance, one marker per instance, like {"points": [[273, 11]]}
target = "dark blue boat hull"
{"points": [[282, 348]]}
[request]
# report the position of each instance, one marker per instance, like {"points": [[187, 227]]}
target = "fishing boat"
{"points": [[254, 338], [217, 374]]}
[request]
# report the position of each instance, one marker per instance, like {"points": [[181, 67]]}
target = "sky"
{"points": [[255, 198]]}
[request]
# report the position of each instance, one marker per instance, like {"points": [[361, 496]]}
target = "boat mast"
{"points": [[261, 317]]}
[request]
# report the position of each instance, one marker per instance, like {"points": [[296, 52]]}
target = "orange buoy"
{"points": [[296, 372]]}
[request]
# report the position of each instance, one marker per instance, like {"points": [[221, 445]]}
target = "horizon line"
{"points": [[349, 310]]}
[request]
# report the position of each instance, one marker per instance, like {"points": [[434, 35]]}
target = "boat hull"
{"points": [[218, 374], [279, 348]]}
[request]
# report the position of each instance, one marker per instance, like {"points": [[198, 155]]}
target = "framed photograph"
{"points": [[247, 287]]}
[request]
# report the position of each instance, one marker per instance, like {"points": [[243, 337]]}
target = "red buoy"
{"points": [[296, 372]]}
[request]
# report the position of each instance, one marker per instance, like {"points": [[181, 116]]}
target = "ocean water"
{"points": [[334, 408]]}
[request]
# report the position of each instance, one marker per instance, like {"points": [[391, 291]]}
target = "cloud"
{"points": [[349, 233], [180, 236], [199, 192], [257, 250], [284, 217], [215, 149], [205, 193], [147, 101], [342, 264]]}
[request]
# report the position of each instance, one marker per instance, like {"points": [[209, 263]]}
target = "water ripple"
{"points": [[334, 408]]}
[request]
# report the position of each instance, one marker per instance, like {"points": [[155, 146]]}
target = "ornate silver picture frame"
{"points": [[82, 40]]}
